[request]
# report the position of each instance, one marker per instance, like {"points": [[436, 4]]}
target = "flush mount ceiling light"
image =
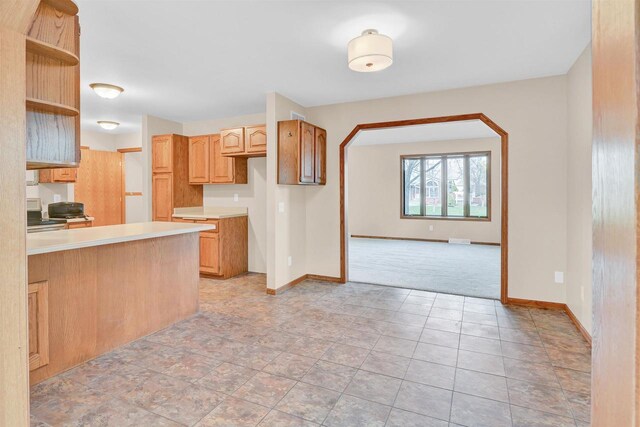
{"points": [[107, 125], [370, 52], [106, 90]]}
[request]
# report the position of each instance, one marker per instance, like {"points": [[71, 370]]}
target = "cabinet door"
{"points": [[65, 175], [38, 307], [199, 159], [209, 253], [321, 156], [222, 168], [161, 153], [307, 157], [256, 139], [162, 195], [232, 141]]}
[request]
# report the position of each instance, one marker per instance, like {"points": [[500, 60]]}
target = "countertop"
{"points": [[63, 240], [209, 212]]}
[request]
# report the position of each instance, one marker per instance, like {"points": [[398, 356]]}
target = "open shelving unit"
{"points": [[53, 86]]}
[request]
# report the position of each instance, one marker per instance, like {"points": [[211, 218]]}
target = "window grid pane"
{"points": [[454, 185]]}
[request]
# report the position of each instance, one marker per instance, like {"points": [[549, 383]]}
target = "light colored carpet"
{"points": [[472, 270]]}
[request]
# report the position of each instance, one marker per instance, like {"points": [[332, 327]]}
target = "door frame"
{"points": [[504, 186]]}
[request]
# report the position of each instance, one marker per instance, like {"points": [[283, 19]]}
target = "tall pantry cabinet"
{"points": [[170, 186]]}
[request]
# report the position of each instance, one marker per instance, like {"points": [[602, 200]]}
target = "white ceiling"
{"points": [[469, 129], [193, 60]]}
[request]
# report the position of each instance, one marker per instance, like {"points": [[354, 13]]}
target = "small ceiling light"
{"points": [[370, 52], [106, 90], [107, 125]]}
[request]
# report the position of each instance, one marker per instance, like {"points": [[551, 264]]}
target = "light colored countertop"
{"points": [[209, 212], [64, 240]]}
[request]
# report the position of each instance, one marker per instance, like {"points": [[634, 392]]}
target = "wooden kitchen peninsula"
{"points": [[94, 289]]}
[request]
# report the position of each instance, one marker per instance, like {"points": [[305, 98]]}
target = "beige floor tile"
{"points": [[227, 378], [290, 365], [234, 412], [309, 402], [475, 411], [400, 418], [482, 385], [431, 374], [374, 387], [264, 389], [423, 399], [436, 354], [345, 355], [386, 364], [354, 412], [330, 375], [189, 405]]}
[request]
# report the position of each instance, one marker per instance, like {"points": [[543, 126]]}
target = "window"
{"points": [[446, 185]]}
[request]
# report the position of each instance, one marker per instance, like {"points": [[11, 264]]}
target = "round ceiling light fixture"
{"points": [[108, 125], [370, 52], [106, 90]]}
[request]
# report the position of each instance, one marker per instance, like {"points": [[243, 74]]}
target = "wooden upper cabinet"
{"points": [[232, 141], [306, 157], [58, 175], [321, 156], [248, 141], [302, 153], [162, 190], [199, 158], [162, 153], [256, 139], [222, 168]]}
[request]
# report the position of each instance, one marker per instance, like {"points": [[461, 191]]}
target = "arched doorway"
{"points": [[504, 138]]}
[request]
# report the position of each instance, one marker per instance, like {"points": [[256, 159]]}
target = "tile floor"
{"points": [[333, 355]]}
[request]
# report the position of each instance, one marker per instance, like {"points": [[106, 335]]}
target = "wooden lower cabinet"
{"points": [[162, 203], [209, 253], [224, 251], [38, 302]]}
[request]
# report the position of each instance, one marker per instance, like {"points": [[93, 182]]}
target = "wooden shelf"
{"points": [[51, 107], [46, 49], [66, 6]]}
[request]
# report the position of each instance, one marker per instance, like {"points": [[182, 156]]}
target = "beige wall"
{"points": [[374, 192], [286, 230], [579, 217], [533, 112], [252, 195]]}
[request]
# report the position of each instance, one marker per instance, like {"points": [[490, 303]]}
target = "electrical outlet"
{"points": [[582, 293], [431, 228], [281, 207], [235, 197], [57, 198], [559, 277], [289, 261]]}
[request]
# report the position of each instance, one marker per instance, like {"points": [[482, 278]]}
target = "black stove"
{"points": [[34, 219]]}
